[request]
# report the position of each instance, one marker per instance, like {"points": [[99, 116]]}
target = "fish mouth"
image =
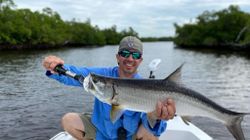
{"points": [[90, 86], [87, 83]]}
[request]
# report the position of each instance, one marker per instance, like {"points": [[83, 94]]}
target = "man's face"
{"points": [[128, 61]]}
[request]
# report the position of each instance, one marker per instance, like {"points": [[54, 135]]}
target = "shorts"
{"points": [[89, 128]]}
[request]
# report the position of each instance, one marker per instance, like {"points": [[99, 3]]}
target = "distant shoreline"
{"points": [[224, 46], [220, 47], [43, 47]]}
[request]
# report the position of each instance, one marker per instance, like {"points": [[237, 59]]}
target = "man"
{"points": [[131, 125]]}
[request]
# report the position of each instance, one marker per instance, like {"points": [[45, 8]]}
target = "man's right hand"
{"points": [[50, 62]]}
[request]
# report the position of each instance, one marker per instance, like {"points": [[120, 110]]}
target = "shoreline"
{"points": [[43, 47], [220, 47]]}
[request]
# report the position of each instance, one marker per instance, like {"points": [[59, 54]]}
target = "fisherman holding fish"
{"points": [[128, 124]]}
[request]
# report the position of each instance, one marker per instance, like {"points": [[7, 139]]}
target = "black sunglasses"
{"points": [[126, 54]]}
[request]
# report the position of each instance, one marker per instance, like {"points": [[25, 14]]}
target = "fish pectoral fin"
{"points": [[186, 119], [152, 123], [116, 112], [151, 120]]}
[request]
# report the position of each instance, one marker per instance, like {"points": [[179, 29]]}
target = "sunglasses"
{"points": [[126, 54]]}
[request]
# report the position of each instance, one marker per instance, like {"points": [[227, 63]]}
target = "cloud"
{"points": [[147, 17]]}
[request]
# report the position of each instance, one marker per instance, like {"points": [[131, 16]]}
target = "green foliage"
{"points": [[6, 4], [153, 39], [84, 34], [246, 34], [113, 37], [28, 29], [214, 28]]}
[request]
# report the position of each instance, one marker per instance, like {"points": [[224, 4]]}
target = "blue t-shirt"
{"points": [[106, 130]]}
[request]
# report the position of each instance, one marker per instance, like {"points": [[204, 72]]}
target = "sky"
{"points": [[149, 18]]}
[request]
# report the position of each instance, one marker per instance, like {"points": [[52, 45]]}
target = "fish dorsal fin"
{"points": [[116, 112], [175, 76]]}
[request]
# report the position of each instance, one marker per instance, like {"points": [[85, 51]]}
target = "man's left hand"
{"points": [[165, 110]]}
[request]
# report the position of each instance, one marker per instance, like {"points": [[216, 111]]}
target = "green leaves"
{"points": [[45, 29], [214, 28]]}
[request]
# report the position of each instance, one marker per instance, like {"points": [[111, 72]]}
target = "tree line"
{"points": [[22, 28], [227, 28]]}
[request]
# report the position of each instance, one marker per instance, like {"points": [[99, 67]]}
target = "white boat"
{"points": [[176, 130]]}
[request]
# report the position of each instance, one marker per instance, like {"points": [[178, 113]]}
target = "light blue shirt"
{"points": [[106, 130]]}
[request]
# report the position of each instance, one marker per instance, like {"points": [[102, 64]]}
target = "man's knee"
{"points": [[72, 120], [72, 123]]}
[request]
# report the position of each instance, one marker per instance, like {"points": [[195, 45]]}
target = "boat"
{"points": [[176, 130]]}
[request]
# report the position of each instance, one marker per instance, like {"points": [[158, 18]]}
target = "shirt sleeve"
{"points": [[159, 127], [68, 80]]}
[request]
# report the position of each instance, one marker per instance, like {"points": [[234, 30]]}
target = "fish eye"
{"points": [[95, 80]]}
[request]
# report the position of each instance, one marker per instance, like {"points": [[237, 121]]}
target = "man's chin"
{"points": [[130, 71]]}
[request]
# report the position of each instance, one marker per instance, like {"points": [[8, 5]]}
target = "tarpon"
{"points": [[142, 95]]}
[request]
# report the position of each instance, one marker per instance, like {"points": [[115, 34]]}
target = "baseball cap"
{"points": [[130, 42]]}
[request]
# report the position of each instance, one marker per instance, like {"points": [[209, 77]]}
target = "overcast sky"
{"points": [[147, 17]]}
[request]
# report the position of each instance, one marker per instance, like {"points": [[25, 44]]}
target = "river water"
{"points": [[31, 104]]}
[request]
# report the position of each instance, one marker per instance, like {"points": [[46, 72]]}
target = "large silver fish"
{"points": [[141, 95]]}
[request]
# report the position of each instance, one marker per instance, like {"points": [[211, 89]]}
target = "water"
{"points": [[31, 104]]}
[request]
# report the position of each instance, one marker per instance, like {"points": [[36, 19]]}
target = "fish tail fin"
{"points": [[234, 126]]}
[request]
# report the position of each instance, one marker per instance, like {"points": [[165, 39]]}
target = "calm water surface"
{"points": [[31, 104]]}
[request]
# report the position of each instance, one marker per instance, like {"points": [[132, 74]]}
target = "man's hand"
{"points": [[165, 110], [50, 62]]}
